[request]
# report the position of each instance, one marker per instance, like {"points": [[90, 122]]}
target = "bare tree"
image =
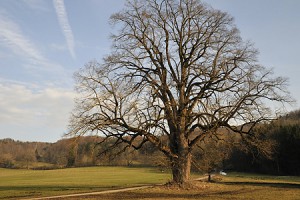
{"points": [[178, 71]]}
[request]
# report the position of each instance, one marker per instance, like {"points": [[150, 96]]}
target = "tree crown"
{"points": [[178, 68]]}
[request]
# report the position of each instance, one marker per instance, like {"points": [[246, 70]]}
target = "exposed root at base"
{"points": [[190, 185]]}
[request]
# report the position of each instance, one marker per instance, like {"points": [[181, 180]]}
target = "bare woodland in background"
{"points": [[218, 154]]}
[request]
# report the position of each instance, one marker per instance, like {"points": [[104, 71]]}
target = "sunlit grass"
{"points": [[17, 184], [235, 186], [36, 183]]}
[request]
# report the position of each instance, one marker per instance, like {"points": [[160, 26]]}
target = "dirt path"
{"points": [[92, 193], [102, 192]]}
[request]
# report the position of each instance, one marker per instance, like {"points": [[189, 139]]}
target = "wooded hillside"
{"points": [[283, 133], [83, 151]]}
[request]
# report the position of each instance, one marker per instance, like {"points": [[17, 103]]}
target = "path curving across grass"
{"points": [[235, 186], [19, 184], [26, 184]]}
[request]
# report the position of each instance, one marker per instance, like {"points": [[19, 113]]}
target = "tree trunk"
{"points": [[209, 177], [181, 168]]}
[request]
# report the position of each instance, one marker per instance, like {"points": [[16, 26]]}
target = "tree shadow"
{"points": [[164, 195], [51, 188], [265, 184], [20, 192], [199, 194]]}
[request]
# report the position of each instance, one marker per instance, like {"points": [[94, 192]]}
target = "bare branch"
{"points": [[178, 70]]}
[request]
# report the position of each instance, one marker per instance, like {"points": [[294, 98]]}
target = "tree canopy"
{"points": [[177, 72]]}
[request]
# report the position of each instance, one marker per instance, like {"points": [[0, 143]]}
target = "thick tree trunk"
{"points": [[181, 168]]}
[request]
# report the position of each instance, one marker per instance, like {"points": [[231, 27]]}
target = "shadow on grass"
{"points": [[264, 184], [17, 192], [156, 194], [175, 195], [35, 191], [230, 192], [51, 188]]}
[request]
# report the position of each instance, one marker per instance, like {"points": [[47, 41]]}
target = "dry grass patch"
{"points": [[232, 187]]}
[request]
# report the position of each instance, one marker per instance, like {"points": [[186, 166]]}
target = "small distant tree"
{"points": [[209, 156], [38, 157], [177, 66], [26, 157], [72, 154], [6, 160]]}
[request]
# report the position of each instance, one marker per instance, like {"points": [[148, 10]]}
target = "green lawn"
{"points": [[16, 183], [235, 186]]}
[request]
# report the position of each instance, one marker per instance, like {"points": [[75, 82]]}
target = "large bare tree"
{"points": [[178, 71]]}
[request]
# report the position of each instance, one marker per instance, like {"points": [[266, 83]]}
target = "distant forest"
{"points": [[284, 134]]}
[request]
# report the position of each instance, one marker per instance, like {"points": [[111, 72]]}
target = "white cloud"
{"points": [[17, 45], [64, 24], [28, 109], [12, 37]]}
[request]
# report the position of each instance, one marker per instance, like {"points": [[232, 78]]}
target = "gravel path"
{"points": [[101, 192], [92, 193]]}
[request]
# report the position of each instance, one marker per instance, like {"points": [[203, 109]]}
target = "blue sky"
{"points": [[43, 42]]}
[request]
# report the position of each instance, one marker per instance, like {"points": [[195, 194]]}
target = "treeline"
{"points": [[284, 133], [228, 154], [75, 152]]}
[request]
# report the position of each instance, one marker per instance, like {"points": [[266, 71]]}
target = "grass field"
{"points": [[36, 183], [18, 184], [236, 186]]}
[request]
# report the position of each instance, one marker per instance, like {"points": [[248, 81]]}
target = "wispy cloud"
{"points": [[13, 38], [64, 24], [33, 60]]}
